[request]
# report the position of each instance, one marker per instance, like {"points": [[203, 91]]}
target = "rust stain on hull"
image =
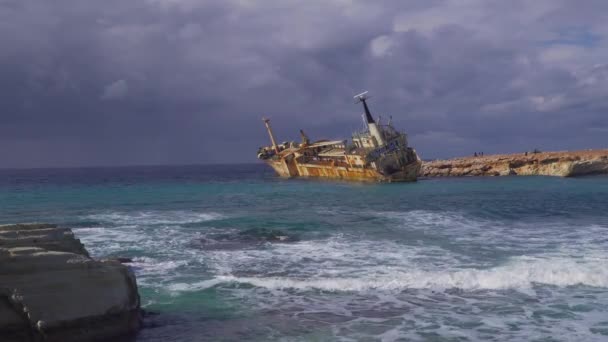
{"points": [[292, 169]]}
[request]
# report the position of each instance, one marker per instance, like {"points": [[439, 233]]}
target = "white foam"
{"points": [[147, 231], [152, 266], [503, 235], [197, 286], [155, 217], [103, 241], [521, 273], [339, 256]]}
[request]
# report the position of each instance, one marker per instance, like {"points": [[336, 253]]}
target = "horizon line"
{"points": [[122, 166]]}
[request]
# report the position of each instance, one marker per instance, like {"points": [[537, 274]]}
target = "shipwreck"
{"points": [[378, 153]]}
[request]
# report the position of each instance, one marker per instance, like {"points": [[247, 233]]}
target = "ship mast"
{"points": [[368, 115], [274, 143], [374, 130], [305, 139]]}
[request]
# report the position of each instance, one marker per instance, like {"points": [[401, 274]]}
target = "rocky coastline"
{"points": [[562, 164], [52, 290]]}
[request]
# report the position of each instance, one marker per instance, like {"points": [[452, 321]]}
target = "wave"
{"points": [[431, 218], [191, 287], [120, 233], [154, 217], [152, 266], [521, 274], [436, 259], [539, 234]]}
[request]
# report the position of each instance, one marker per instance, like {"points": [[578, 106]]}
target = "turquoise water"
{"points": [[233, 253]]}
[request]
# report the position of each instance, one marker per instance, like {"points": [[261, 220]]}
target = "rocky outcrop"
{"points": [[563, 164], [51, 290]]}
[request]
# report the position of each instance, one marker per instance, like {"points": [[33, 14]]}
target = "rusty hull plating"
{"points": [[378, 153]]}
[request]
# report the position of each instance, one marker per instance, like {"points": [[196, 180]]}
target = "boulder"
{"points": [[51, 290]]}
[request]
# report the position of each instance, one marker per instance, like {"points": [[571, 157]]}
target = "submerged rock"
{"points": [[245, 239], [124, 260], [264, 234], [51, 290]]}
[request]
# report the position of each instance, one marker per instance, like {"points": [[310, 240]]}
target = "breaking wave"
{"points": [[152, 266], [117, 233], [521, 274], [154, 217]]}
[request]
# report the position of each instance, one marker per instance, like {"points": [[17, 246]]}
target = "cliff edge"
{"points": [[563, 164], [51, 290]]}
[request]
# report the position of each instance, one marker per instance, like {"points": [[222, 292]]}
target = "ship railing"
{"points": [[322, 161], [360, 134]]}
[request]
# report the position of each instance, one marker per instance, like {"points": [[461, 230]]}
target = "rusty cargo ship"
{"points": [[378, 153]]}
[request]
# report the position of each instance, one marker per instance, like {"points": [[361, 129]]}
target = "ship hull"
{"points": [[291, 168]]}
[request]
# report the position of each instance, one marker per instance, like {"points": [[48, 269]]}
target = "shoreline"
{"points": [[557, 163]]}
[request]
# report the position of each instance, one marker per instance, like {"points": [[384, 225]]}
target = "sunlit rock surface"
{"points": [[563, 164], [51, 290]]}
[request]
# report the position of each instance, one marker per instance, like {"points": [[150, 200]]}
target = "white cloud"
{"points": [[116, 90], [548, 103], [560, 54], [380, 46], [485, 18]]}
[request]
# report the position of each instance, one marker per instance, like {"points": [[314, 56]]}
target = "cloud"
{"points": [[188, 76], [380, 46], [562, 54], [116, 90]]}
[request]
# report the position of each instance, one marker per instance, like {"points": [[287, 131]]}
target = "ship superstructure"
{"points": [[378, 153]]}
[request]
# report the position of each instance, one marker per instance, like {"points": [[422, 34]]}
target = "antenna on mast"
{"points": [[361, 97]]}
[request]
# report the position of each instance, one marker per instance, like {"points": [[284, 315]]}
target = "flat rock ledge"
{"points": [[51, 290], [562, 164]]}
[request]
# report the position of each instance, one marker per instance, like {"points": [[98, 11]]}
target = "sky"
{"points": [[138, 82]]}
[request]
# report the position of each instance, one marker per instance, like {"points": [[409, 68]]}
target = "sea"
{"points": [[233, 253]]}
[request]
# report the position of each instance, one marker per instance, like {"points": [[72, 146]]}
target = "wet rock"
{"points": [[124, 260], [271, 235], [223, 245], [41, 235], [249, 238], [51, 290]]}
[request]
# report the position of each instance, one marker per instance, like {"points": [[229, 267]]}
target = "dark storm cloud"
{"points": [[185, 81]]}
